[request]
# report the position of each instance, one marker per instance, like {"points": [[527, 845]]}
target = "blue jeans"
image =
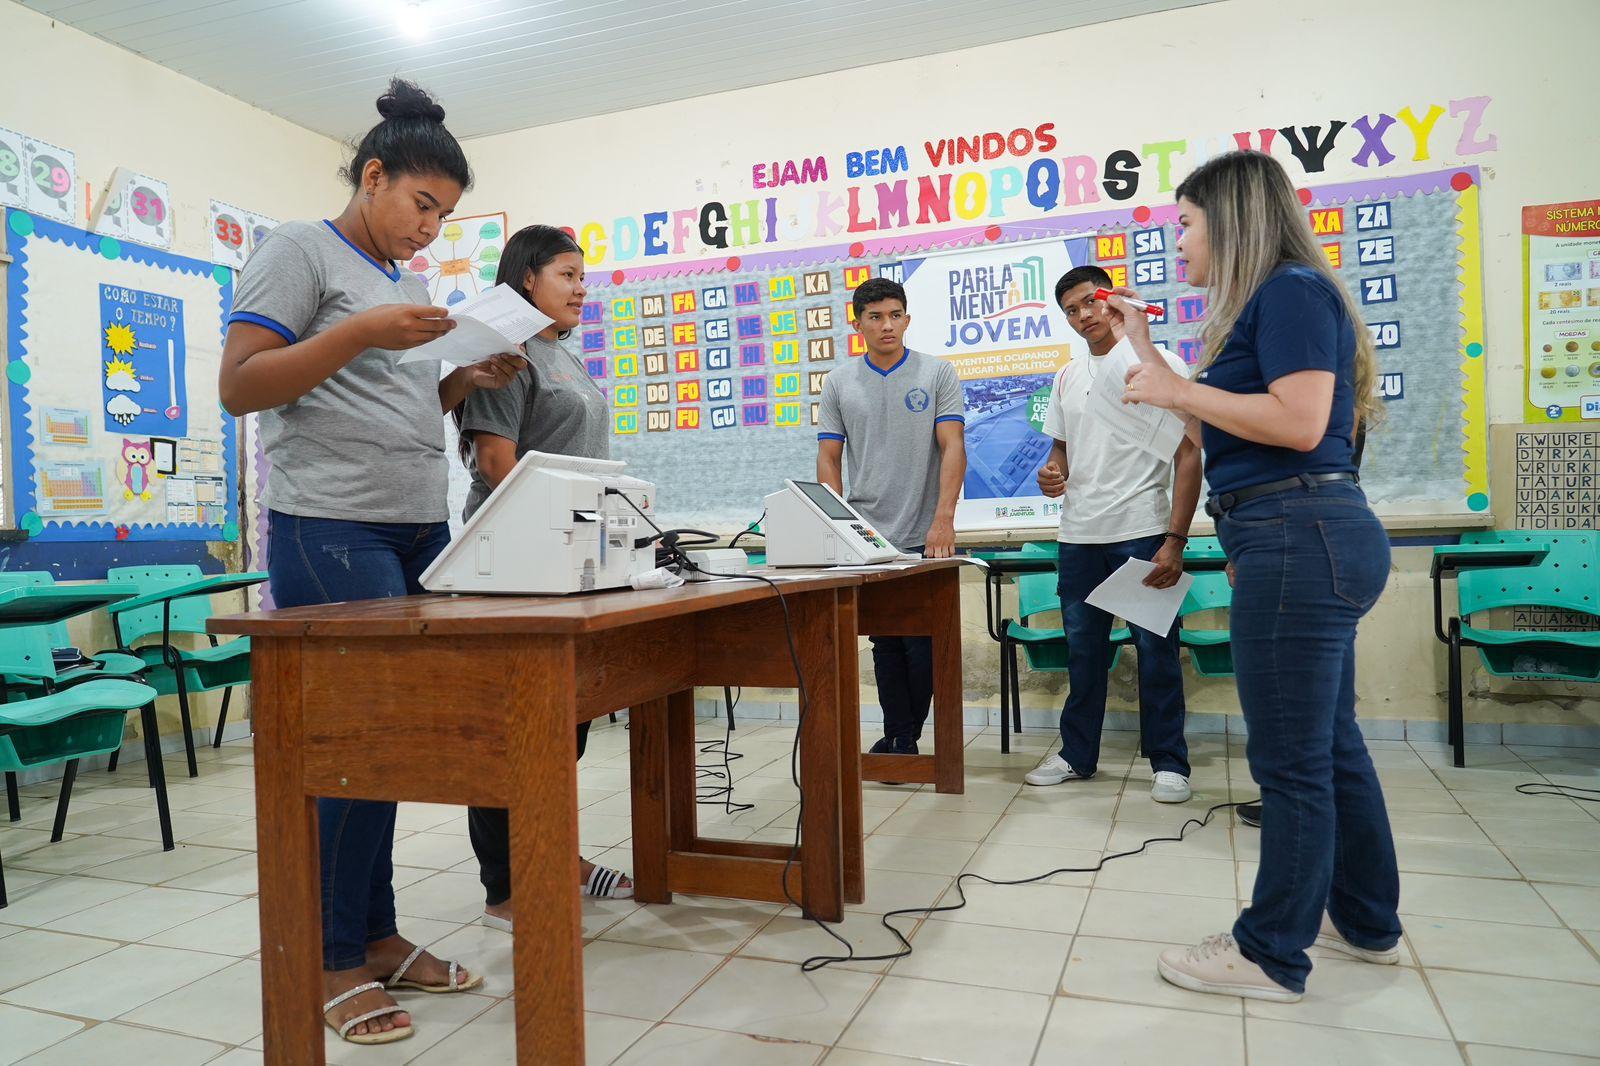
{"points": [[903, 669], [1309, 563], [323, 560], [1082, 568]]}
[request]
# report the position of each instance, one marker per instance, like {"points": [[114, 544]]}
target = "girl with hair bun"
{"points": [[357, 485]]}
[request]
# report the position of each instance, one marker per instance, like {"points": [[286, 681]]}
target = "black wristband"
{"points": [[1177, 536]]}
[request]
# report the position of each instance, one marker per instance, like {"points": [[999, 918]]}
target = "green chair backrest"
{"points": [[1204, 544], [189, 615], [1568, 578], [1210, 592], [1037, 593], [25, 650]]}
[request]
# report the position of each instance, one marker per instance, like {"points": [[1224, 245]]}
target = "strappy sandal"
{"points": [[399, 979], [381, 1036], [606, 883]]}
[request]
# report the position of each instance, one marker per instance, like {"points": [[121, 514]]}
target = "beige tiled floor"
{"points": [[112, 951]]}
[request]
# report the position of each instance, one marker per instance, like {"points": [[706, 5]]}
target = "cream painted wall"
{"points": [[1196, 75], [115, 109], [1193, 74]]}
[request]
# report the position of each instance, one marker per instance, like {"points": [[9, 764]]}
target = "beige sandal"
{"points": [[399, 979], [400, 1032]]}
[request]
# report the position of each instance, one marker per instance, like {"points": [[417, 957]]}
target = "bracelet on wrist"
{"points": [[1177, 536]]}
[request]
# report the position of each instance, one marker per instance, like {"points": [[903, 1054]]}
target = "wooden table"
{"points": [[472, 700]]}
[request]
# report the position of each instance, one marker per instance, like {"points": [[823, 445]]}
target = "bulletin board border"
{"points": [[23, 229]]}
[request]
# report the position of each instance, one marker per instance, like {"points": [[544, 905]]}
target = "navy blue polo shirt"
{"points": [[1295, 321]]}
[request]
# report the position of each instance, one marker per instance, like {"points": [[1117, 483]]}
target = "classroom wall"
{"points": [[1195, 76], [113, 109]]}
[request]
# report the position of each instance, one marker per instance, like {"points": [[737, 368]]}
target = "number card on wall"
{"points": [[235, 233], [37, 176], [135, 207]]}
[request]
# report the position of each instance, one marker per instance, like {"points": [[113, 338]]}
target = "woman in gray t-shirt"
{"points": [[356, 493], [550, 406]]}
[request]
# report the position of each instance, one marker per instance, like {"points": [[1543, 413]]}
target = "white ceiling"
{"points": [[501, 65]]}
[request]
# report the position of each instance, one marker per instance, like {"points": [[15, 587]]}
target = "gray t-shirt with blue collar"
{"points": [[886, 419], [367, 444]]}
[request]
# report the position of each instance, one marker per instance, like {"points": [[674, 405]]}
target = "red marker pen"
{"points": [[1150, 309]]}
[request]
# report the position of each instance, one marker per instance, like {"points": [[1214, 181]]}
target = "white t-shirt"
{"points": [[1115, 490]]}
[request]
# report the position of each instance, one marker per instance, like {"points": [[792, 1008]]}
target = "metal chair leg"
{"points": [[69, 776], [222, 717], [1016, 691], [13, 802], [1005, 699], [183, 711], [111, 767], [158, 772], [1458, 723]]}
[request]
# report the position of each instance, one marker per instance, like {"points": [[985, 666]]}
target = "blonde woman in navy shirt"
{"points": [[1286, 378]]}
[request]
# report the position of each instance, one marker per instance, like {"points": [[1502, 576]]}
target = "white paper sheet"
{"points": [[1157, 431], [1125, 595], [488, 324]]}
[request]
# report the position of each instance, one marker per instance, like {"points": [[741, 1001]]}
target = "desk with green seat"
{"points": [[1034, 569], [1513, 570], [1210, 650], [70, 723], [177, 599]]}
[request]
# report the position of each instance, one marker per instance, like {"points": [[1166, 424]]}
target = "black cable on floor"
{"points": [[721, 794], [817, 962], [1544, 788]]}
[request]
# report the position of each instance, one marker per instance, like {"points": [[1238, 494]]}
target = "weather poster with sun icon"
{"points": [[463, 259], [143, 385]]}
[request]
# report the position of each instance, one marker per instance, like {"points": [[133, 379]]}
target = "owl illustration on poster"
{"points": [[463, 260], [135, 465]]}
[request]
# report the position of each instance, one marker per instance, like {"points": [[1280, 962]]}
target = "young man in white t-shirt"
{"points": [[1121, 503]]}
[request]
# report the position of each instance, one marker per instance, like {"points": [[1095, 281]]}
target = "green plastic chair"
{"points": [[1567, 579], [1210, 650], [26, 658], [1044, 646], [205, 669], [74, 723], [28, 667]]}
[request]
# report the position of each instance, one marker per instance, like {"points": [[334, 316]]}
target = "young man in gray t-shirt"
{"points": [[896, 418]]}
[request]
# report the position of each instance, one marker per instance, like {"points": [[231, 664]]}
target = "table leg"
{"points": [[286, 842], [816, 635], [647, 749], [540, 708], [850, 815], [944, 610], [683, 811]]}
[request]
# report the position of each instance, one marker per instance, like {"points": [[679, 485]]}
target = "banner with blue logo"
{"points": [[991, 311]]}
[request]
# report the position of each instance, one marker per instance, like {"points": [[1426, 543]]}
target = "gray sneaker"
{"points": [[1329, 937], [1053, 771], [1169, 786]]}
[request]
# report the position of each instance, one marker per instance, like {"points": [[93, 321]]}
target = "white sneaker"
{"points": [[1329, 937], [1169, 786], [1052, 771], [1217, 965]]}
